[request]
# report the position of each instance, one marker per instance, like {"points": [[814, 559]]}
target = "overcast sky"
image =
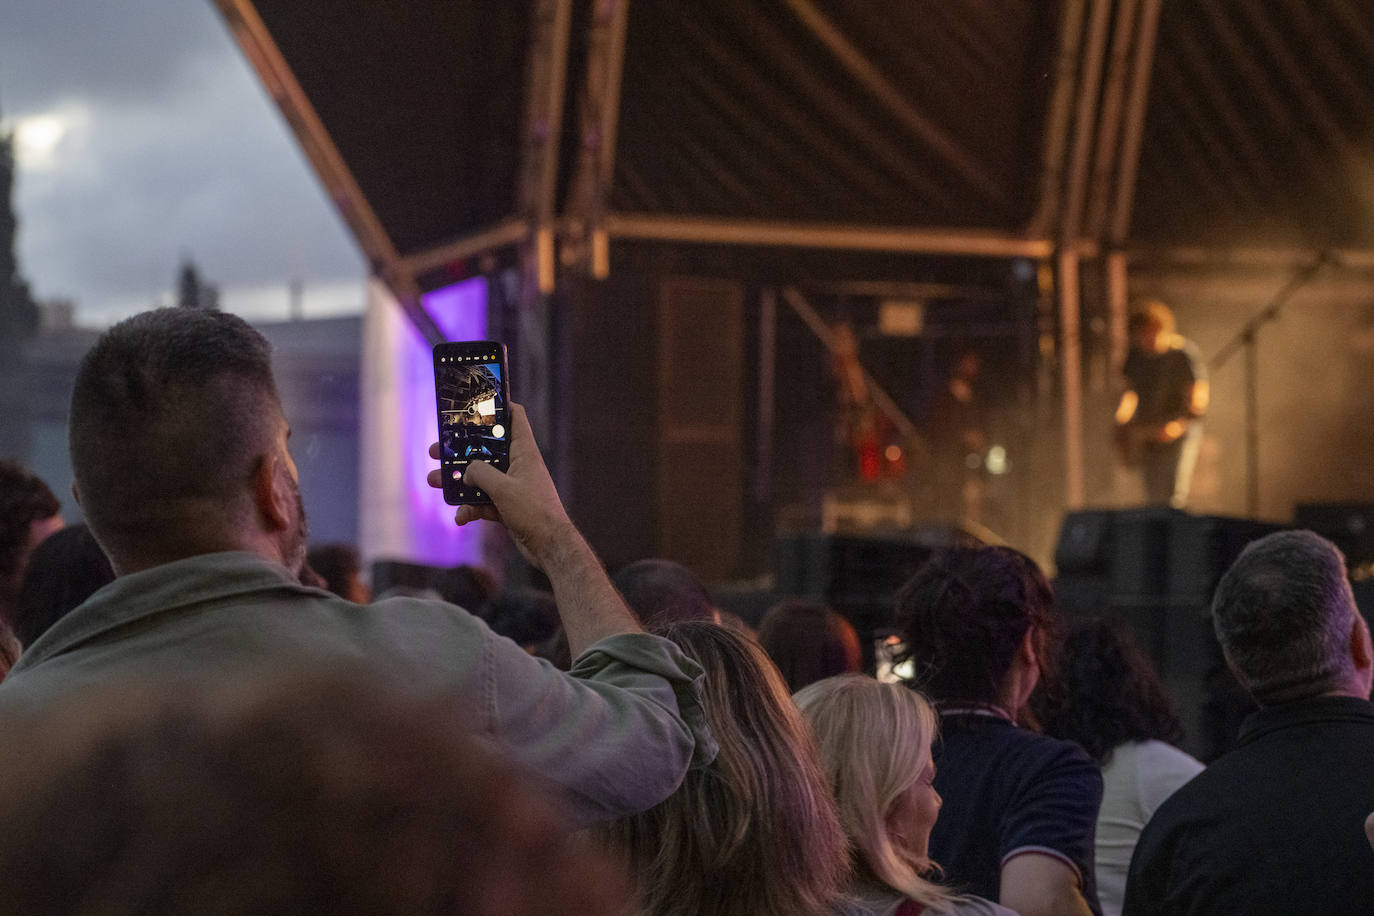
{"points": [[144, 137]]}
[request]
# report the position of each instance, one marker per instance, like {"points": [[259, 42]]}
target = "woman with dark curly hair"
{"points": [[1110, 700], [1019, 807]]}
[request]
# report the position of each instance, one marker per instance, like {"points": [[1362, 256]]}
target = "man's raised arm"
{"points": [[619, 733], [525, 502]]}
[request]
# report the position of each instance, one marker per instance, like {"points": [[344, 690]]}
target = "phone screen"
{"points": [[474, 413], [889, 670]]}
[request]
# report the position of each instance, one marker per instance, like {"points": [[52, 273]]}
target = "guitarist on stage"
{"points": [[1159, 419]]}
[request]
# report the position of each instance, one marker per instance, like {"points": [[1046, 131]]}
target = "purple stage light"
{"points": [[421, 530]]}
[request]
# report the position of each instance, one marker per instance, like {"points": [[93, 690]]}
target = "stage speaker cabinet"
{"points": [[1082, 594], [1350, 526], [857, 576], [1203, 547], [1156, 569], [1363, 590], [1140, 551]]}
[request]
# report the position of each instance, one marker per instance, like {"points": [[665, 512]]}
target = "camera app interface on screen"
{"points": [[472, 415]]}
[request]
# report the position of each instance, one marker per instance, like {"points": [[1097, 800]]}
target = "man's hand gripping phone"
{"points": [[523, 499]]}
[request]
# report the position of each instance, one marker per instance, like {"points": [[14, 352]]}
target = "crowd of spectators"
{"points": [[203, 715]]}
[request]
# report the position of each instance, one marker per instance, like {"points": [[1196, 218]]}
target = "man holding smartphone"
{"points": [[179, 448]]}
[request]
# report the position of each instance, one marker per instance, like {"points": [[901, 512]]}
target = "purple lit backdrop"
{"points": [[413, 522], [460, 311]]}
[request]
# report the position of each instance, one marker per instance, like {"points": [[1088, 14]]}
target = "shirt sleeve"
{"points": [[1055, 814], [1160, 770], [617, 733]]}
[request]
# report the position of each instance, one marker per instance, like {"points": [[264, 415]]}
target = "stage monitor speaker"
{"points": [[1350, 526], [1203, 547], [1140, 550], [1085, 542], [1148, 554]]}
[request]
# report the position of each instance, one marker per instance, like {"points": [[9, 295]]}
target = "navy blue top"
{"points": [[1008, 791]]}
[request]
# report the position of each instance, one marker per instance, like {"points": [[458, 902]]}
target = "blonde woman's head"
{"points": [[874, 742]]}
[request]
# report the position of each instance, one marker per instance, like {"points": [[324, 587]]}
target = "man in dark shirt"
{"points": [[1274, 826], [1158, 419]]}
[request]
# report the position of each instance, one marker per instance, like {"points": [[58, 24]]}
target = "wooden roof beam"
{"points": [[895, 102], [266, 58], [895, 239]]}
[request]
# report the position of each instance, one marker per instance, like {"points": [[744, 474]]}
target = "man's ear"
{"points": [[1028, 651], [271, 495], [1361, 649]]}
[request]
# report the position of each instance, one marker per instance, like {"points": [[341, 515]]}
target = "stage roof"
{"points": [[448, 130]]}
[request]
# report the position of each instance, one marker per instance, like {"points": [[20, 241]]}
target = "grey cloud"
{"points": [[198, 164], [104, 49]]}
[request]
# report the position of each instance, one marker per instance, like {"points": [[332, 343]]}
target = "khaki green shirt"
{"points": [[616, 734]]}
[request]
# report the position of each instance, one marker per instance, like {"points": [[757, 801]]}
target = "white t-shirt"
{"points": [[1137, 779]]}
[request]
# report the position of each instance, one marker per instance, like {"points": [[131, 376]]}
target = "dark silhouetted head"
{"points": [[65, 570], [808, 642], [963, 616], [1106, 691], [661, 592], [28, 513], [469, 587], [526, 616], [340, 566]]}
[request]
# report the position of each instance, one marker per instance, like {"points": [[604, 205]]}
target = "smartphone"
{"points": [[886, 648], [472, 389]]}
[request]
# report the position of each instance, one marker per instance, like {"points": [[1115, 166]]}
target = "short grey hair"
{"points": [[1283, 614]]}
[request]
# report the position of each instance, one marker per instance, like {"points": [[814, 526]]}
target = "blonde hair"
{"points": [[874, 741], [754, 833]]}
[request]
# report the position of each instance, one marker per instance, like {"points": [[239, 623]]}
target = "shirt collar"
{"points": [[1302, 712], [207, 577]]}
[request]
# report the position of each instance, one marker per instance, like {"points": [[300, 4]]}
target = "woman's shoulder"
{"points": [[1033, 750], [977, 906], [871, 900], [1154, 754], [1014, 756], [850, 906]]}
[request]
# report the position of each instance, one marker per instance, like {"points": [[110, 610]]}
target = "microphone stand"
{"points": [[1247, 338]]}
